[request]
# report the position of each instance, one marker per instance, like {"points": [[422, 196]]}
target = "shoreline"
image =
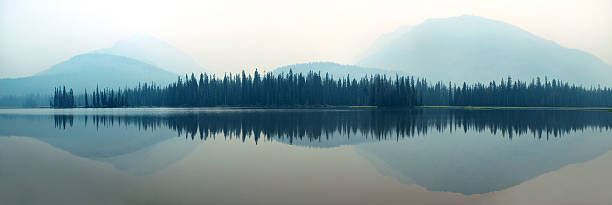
{"points": [[517, 108], [366, 107]]}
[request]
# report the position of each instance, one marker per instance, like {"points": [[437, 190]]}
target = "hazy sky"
{"points": [[231, 35]]}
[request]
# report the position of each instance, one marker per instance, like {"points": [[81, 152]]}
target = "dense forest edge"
{"points": [[315, 90]]}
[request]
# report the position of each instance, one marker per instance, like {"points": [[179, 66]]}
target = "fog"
{"points": [[233, 35]]}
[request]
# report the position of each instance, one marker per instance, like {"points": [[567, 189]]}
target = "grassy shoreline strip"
{"points": [[517, 108]]}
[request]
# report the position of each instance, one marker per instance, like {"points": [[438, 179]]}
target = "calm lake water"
{"points": [[312, 156]]}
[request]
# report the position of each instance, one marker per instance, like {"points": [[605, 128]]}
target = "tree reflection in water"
{"points": [[391, 124]]}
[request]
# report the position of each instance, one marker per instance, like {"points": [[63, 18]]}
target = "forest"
{"points": [[313, 89]]}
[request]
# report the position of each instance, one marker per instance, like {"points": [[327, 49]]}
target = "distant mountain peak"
{"points": [[140, 58], [86, 71], [156, 52], [81, 61], [477, 49]]}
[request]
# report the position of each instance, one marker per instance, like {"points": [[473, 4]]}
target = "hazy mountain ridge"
{"points": [[156, 52], [476, 49], [87, 71], [127, 63], [384, 40], [334, 69]]}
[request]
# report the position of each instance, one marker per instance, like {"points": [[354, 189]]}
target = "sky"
{"points": [[232, 35]]}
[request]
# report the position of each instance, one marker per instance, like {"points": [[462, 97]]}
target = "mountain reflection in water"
{"points": [[449, 150]]}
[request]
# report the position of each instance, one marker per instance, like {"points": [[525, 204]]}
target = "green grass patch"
{"points": [[518, 108], [363, 106]]}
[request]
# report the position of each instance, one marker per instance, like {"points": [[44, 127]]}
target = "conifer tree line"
{"points": [[508, 92], [62, 98], [104, 98], [314, 89], [291, 89], [536, 93]]}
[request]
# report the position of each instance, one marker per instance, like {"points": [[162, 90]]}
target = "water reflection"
{"points": [[462, 151], [380, 125]]}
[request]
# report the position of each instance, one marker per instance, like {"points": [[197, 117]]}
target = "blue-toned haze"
{"points": [[228, 36], [477, 49]]}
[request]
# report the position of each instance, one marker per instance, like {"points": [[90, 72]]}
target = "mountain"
{"points": [[334, 69], [384, 40], [156, 52], [470, 48], [87, 71]]}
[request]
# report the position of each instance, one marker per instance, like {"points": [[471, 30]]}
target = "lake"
{"points": [[304, 156]]}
